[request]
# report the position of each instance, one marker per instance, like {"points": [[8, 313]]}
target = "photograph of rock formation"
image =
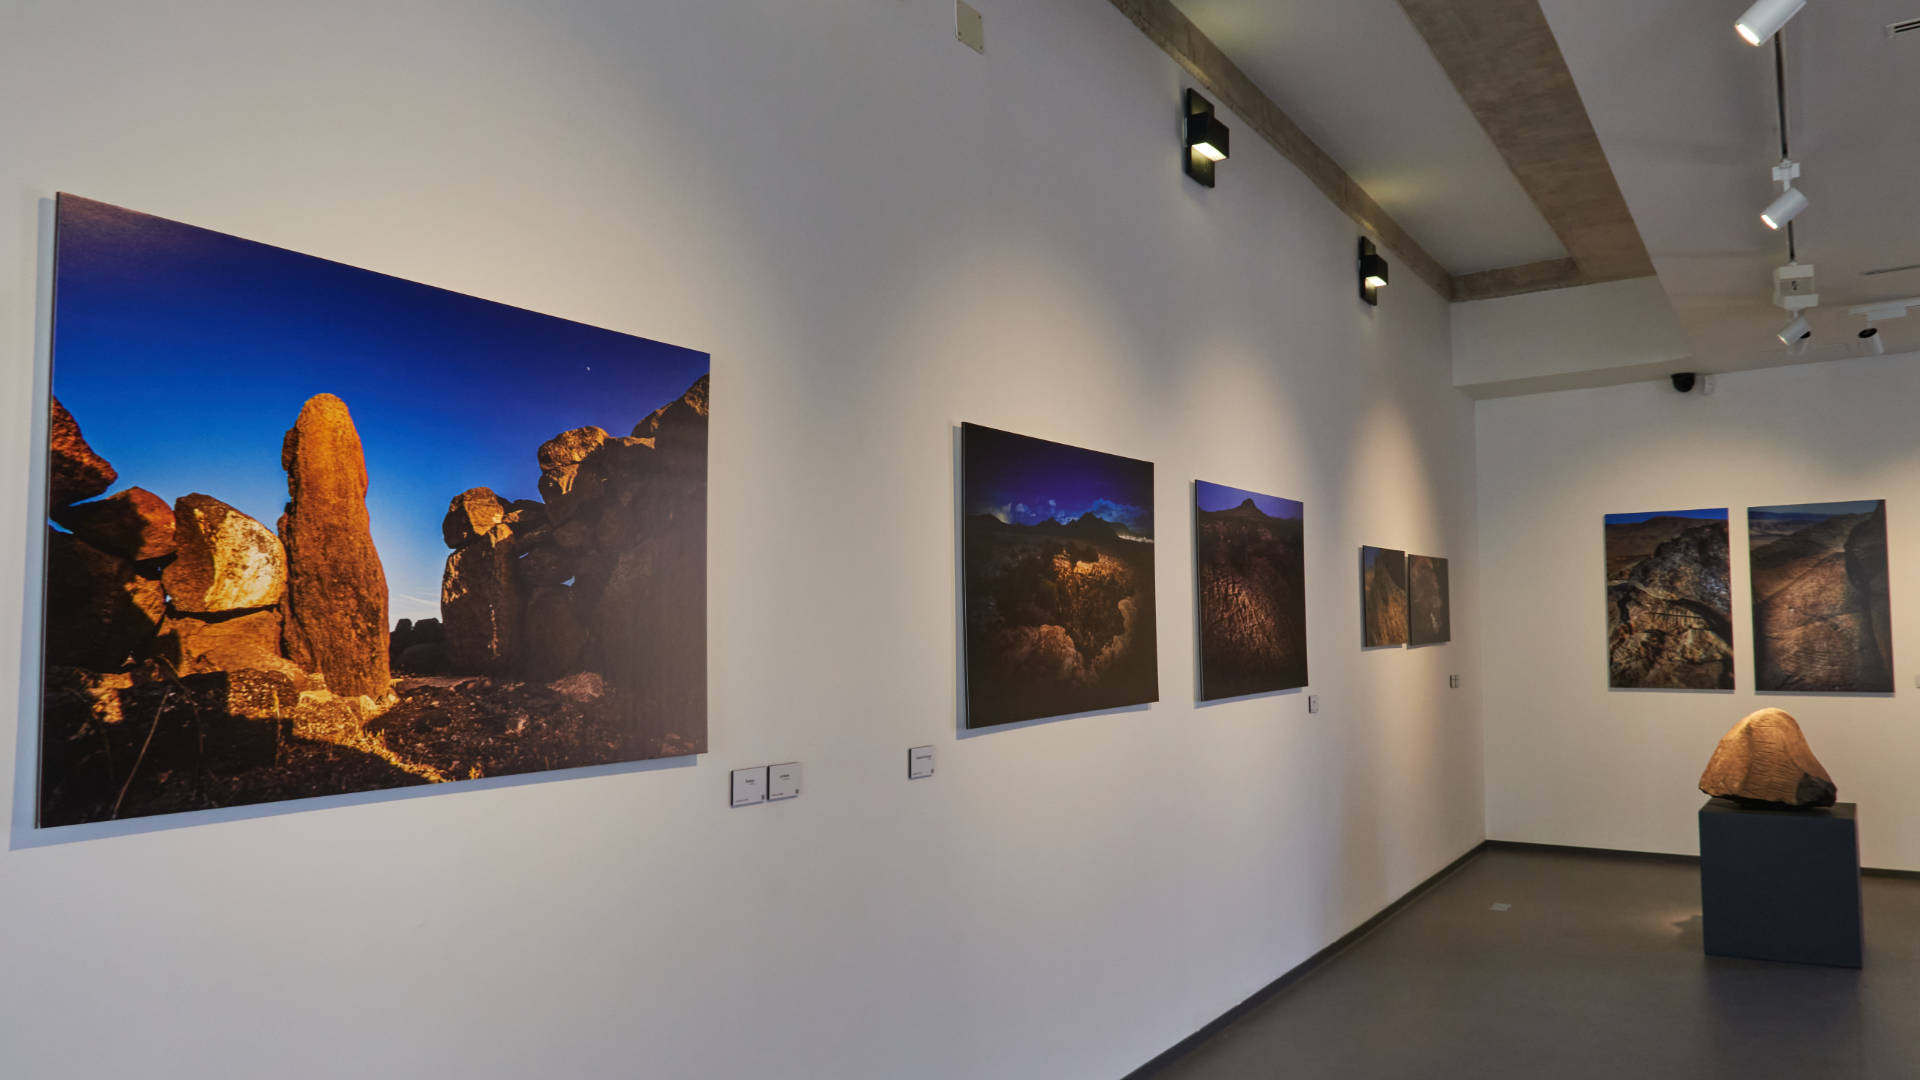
{"points": [[316, 530], [1057, 563], [1822, 621], [1669, 601], [1251, 571], [1429, 606], [1383, 597]]}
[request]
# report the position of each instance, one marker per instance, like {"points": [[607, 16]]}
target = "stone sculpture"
{"points": [[1765, 760]]}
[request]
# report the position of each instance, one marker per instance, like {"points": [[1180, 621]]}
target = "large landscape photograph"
{"points": [[1822, 618], [1669, 601], [1383, 597], [1057, 564], [1251, 571], [317, 530]]}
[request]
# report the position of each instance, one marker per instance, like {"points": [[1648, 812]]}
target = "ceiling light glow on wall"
{"points": [[1207, 140], [1794, 331], [1373, 272], [1784, 208], [1765, 18]]}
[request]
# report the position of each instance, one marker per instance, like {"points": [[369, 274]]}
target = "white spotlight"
{"points": [[1794, 331], [1870, 343], [1765, 18], [1784, 209]]}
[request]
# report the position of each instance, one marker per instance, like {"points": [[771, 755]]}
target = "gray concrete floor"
{"points": [[1595, 971]]}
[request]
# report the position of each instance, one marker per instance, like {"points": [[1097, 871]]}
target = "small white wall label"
{"points": [[920, 763], [783, 781], [749, 786]]}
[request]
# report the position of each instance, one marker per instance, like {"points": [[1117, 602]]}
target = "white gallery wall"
{"points": [[877, 234], [1572, 762]]}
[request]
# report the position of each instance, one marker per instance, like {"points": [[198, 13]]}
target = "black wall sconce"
{"points": [[1373, 272], [1206, 138]]}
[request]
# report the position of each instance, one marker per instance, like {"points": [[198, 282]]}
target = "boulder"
{"points": [[1765, 759], [554, 641], [684, 419], [424, 658], [336, 607], [474, 513], [569, 478], [74, 471], [224, 560], [133, 524], [480, 605], [99, 613], [543, 565], [248, 642]]}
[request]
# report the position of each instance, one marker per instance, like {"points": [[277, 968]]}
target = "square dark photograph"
{"points": [[1383, 596], [1057, 563], [1822, 617], [318, 530], [1669, 601], [1429, 608], [1251, 571]]}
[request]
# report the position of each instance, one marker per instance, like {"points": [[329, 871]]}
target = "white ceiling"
{"points": [[1361, 82], [1685, 111]]}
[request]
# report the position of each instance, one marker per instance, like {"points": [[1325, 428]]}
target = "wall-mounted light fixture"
{"points": [[1373, 272], [1794, 331], [1206, 138], [1765, 18]]}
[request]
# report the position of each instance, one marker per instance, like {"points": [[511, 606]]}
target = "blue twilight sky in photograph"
{"points": [[1369, 555], [1024, 481], [1813, 511], [1635, 519], [1221, 497], [185, 355]]}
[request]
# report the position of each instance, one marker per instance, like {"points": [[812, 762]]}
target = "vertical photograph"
{"points": [[1383, 597], [1057, 566], [1822, 615], [316, 530], [1669, 601], [1251, 571], [1429, 606]]}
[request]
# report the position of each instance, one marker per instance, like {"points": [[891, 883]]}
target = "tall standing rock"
{"points": [[336, 587], [74, 471]]}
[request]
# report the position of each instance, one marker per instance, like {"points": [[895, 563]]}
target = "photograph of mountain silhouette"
{"points": [[1383, 597], [1057, 564], [316, 530], [1822, 619], [1251, 572], [1429, 605], [1669, 604]]}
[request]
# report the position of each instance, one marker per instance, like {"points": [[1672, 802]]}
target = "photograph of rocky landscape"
{"points": [[1251, 571], [1669, 604], [1057, 565], [1429, 605], [1383, 597], [1822, 620], [316, 530]]}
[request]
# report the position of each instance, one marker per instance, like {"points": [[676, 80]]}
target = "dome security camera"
{"points": [[1683, 381]]}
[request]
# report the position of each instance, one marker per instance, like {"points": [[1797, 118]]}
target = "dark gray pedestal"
{"points": [[1781, 884]]}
